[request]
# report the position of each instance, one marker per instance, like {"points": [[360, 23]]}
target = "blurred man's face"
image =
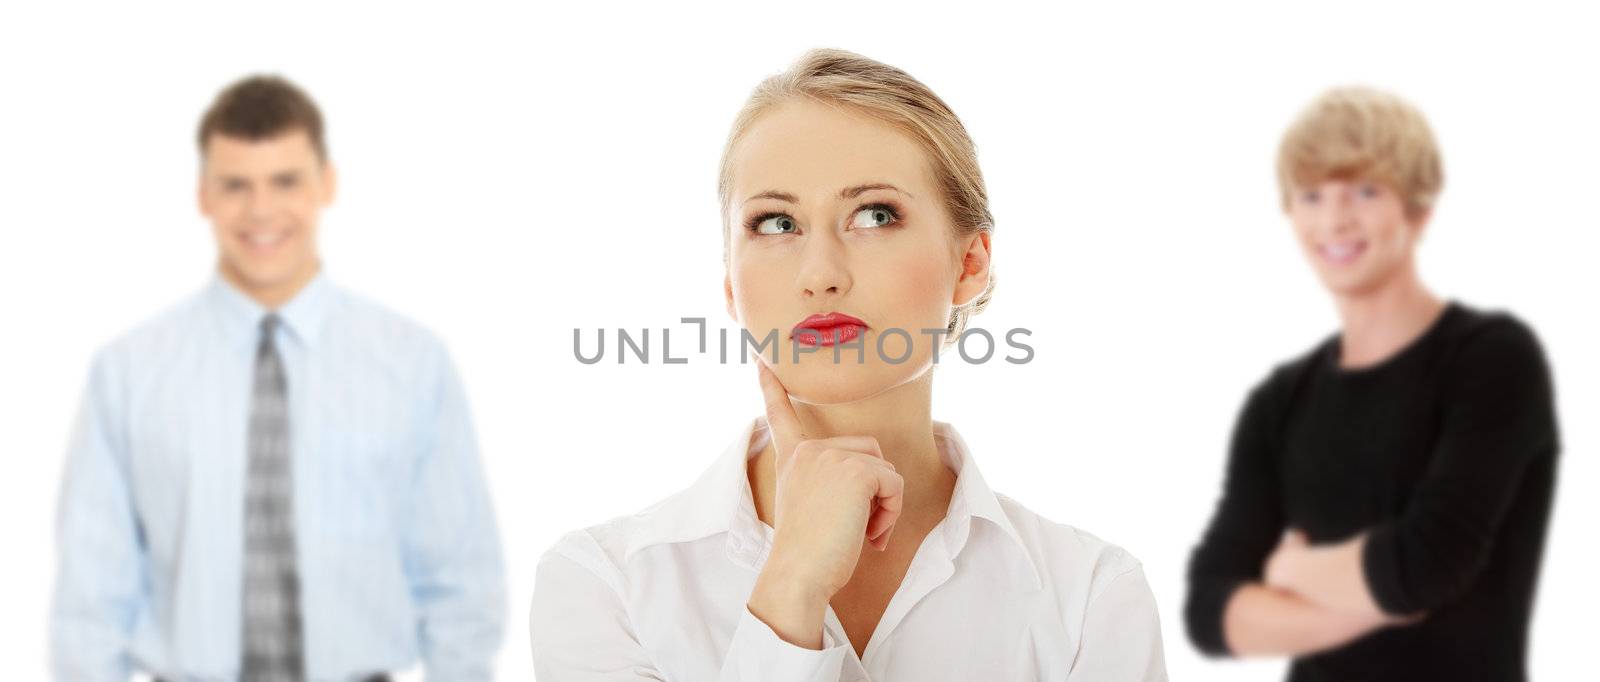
{"points": [[263, 199], [1356, 233]]}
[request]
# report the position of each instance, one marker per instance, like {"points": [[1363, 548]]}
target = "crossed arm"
{"points": [[1258, 590], [1309, 599]]}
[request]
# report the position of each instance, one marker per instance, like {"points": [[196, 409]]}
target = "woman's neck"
{"points": [[899, 418], [1380, 322]]}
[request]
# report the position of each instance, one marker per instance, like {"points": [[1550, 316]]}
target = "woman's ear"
{"points": [[973, 278], [727, 293]]}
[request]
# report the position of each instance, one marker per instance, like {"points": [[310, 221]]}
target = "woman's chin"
{"points": [[824, 383]]}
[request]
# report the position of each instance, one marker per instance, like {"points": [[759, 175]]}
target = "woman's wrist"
{"points": [[790, 603]]}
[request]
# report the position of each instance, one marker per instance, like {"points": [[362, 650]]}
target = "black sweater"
{"points": [[1446, 452]]}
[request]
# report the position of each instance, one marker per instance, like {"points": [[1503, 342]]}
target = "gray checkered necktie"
{"points": [[272, 638]]}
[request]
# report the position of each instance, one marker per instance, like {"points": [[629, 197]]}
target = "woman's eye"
{"points": [[1309, 196], [1369, 191], [778, 224], [873, 216]]}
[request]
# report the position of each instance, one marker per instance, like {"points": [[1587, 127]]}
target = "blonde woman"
{"points": [[846, 535]]}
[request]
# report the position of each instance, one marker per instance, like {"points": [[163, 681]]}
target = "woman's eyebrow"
{"points": [[773, 194], [846, 193], [858, 190]]}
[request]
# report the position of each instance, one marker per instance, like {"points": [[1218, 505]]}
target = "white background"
{"points": [[512, 173]]}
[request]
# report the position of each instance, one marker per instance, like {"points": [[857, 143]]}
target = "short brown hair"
{"points": [[1355, 131], [262, 107], [894, 97]]}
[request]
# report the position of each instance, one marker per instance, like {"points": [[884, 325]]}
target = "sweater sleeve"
{"points": [[1246, 524], [1497, 416]]}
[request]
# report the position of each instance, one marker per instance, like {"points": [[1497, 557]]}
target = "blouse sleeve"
{"points": [[579, 627], [582, 631], [1121, 634]]}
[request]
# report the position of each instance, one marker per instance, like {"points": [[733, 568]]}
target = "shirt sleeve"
{"points": [[1121, 634], [1497, 417], [758, 653], [1246, 525], [452, 548], [101, 580], [581, 630]]}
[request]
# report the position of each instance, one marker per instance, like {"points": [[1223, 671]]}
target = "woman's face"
{"points": [[832, 211], [1356, 233]]}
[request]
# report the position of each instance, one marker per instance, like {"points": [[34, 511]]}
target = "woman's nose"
{"points": [[823, 269]]}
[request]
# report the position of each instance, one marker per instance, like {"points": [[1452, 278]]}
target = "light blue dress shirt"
{"points": [[399, 557]]}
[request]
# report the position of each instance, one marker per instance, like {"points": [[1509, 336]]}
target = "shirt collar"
{"points": [[720, 502], [302, 316], [974, 499]]}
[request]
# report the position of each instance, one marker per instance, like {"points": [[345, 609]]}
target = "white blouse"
{"points": [[995, 592]]}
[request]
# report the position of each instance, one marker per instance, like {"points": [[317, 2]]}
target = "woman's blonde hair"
{"points": [[1360, 132], [894, 97]]}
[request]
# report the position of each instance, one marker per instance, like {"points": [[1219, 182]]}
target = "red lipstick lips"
{"points": [[827, 330]]}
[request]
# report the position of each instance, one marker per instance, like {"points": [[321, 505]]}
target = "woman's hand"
{"points": [[833, 495]]}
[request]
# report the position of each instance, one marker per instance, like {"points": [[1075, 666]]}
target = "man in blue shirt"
{"points": [[274, 479]]}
